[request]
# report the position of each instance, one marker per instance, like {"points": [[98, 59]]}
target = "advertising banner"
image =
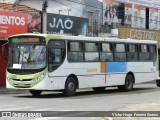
{"points": [[34, 22], [69, 25], [12, 23], [111, 14], [128, 15], [153, 18], [147, 3], [139, 17]]}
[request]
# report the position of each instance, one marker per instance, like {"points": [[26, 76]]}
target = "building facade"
{"points": [[90, 9]]}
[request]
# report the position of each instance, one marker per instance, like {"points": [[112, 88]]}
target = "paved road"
{"points": [[110, 100]]}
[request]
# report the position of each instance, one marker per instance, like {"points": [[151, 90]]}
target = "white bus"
{"points": [[40, 62]]}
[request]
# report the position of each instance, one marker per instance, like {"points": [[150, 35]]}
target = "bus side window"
{"points": [[75, 51], [106, 52], [152, 52], [132, 52], [144, 52], [56, 55], [91, 51], [50, 55], [119, 52]]}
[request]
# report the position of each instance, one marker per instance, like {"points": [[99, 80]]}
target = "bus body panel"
{"points": [[92, 74]]}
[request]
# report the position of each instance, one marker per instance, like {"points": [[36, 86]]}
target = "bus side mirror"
{"points": [[4, 50]]}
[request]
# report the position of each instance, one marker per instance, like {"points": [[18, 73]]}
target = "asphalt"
{"points": [[4, 90], [135, 107]]}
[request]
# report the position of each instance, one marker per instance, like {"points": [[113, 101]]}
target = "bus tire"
{"points": [[128, 86], [70, 87], [158, 83], [36, 92], [99, 89]]}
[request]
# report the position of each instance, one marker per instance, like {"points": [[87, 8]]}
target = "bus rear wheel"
{"points": [[158, 83], [70, 87], [128, 86], [36, 92]]}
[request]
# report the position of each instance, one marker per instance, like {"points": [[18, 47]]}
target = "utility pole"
{"points": [[15, 3], [44, 16]]}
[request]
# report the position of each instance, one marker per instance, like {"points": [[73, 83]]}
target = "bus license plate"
{"points": [[21, 84]]}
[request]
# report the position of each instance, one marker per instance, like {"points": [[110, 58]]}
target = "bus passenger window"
{"points": [[75, 52], [132, 52], [120, 52], [56, 55], [106, 56], [153, 52], [106, 52], [91, 52], [144, 53]]}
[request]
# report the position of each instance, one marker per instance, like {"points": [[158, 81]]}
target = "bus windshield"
{"points": [[27, 57]]}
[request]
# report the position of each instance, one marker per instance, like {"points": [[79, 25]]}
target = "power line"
{"points": [[67, 5], [84, 4], [76, 3]]}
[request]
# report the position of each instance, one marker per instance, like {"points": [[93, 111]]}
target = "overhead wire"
{"points": [[57, 1]]}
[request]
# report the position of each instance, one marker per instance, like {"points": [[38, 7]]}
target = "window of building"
{"points": [[93, 24]]}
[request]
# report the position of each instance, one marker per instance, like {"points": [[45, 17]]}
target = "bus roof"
{"points": [[84, 38], [129, 40]]}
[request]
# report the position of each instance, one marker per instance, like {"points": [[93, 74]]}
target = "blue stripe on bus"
{"points": [[116, 67]]}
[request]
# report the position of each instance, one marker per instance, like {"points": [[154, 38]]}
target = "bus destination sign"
{"points": [[25, 39]]}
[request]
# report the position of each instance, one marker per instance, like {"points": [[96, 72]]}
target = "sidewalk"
{"points": [[4, 90]]}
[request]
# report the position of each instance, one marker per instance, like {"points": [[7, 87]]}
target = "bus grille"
{"points": [[22, 80], [25, 86]]}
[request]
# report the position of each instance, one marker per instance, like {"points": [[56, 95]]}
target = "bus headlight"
{"points": [[9, 79], [39, 78], [35, 80]]}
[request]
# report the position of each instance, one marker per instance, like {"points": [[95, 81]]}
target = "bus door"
{"points": [[56, 55]]}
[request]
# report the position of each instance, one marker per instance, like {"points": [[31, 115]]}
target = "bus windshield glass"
{"points": [[27, 56]]}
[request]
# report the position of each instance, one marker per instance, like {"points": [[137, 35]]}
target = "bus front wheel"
{"points": [[70, 87], [128, 86], [36, 92]]}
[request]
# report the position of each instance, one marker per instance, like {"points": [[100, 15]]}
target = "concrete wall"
{"points": [[94, 6]]}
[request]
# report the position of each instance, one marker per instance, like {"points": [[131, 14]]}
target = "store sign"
{"points": [[139, 34], [12, 23], [61, 24]]}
